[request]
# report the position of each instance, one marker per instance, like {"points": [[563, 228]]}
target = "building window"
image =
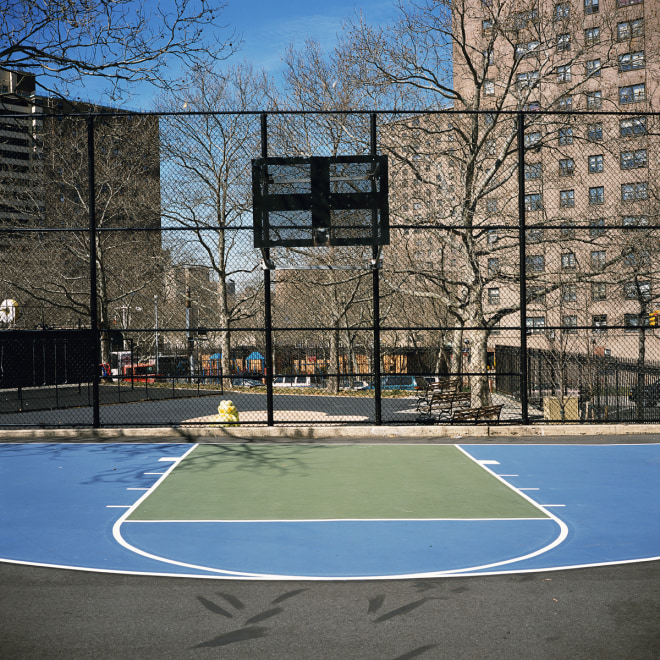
{"points": [[630, 222], [592, 36], [569, 324], [566, 198], [631, 192], [632, 61], [492, 236], [564, 73], [487, 25], [527, 80], [565, 136], [632, 94], [566, 103], [597, 228], [532, 139], [636, 257], [593, 69], [631, 160], [532, 171], [562, 11], [493, 266], [595, 163], [495, 329], [598, 259], [627, 3], [597, 195], [494, 296], [564, 42], [525, 19], [591, 6], [535, 325], [535, 263], [594, 100], [534, 106], [536, 295], [595, 132], [598, 291], [637, 290], [599, 323], [533, 202], [632, 126], [534, 235], [526, 49], [632, 322], [567, 230], [491, 205], [568, 261], [569, 293], [489, 88], [630, 29], [566, 167]]}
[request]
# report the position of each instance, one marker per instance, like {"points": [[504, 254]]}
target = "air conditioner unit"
{"points": [[560, 409]]}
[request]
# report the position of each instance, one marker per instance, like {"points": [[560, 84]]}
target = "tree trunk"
{"points": [[478, 362], [333, 381]]}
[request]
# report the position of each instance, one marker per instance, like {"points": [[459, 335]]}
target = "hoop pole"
{"points": [[268, 320], [524, 375], [93, 302], [376, 292]]}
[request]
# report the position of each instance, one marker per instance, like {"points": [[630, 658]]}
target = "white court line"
{"points": [[508, 475], [488, 462], [325, 520], [167, 459]]}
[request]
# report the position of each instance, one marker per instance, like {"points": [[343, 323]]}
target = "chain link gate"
{"points": [[522, 267]]}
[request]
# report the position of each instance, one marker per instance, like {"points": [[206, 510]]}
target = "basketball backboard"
{"points": [[320, 201]]}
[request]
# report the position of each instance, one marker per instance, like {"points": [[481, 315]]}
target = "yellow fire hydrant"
{"points": [[227, 414]]}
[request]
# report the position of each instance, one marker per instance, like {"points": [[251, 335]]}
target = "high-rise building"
{"points": [[44, 180], [590, 172]]}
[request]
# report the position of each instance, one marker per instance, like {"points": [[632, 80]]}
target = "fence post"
{"points": [[93, 309], [378, 411], [268, 320], [524, 379]]}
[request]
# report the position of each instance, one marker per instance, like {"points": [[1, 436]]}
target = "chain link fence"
{"points": [[521, 272]]}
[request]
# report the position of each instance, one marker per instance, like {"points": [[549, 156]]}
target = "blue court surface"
{"points": [[78, 506]]}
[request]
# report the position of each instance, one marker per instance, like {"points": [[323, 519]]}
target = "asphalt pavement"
{"points": [[610, 612], [593, 613]]}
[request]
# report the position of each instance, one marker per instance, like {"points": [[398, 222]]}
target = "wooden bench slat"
{"points": [[479, 414]]}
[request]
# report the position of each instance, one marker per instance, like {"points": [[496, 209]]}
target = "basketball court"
{"points": [[328, 511]]}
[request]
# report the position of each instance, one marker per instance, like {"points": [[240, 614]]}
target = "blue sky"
{"points": [[268, 27]]}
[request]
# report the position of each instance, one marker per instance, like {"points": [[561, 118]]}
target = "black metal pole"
{"points": [[268, 320], [524, 379], [93, 309], [378, 409]]}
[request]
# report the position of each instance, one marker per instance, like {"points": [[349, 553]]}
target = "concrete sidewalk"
{"points": [[539, 433]]}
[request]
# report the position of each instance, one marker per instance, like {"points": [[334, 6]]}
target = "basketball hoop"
{"points": [[320, 201]]}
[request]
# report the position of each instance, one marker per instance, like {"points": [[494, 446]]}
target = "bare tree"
{"points": [[480, 61], [50, 269], [119, 41], [206, 163]]}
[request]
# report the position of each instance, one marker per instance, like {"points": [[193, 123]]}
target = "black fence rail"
{"points": [[523, 266]]}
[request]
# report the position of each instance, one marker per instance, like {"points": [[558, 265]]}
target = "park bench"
{"points": [[447, 385], [476, 415], [441, 404]]}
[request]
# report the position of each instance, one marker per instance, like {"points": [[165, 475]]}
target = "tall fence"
{"points": [[522, 266]]}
